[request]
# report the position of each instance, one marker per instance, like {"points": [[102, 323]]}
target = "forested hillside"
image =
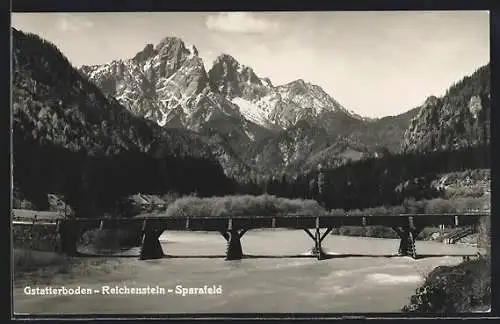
{"points": [[389, 180], [71, 139], [460, 118]]}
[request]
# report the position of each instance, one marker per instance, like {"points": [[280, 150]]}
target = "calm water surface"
{"points": [[369, 281]]}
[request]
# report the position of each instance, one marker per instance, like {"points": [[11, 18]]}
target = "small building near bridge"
{"points": [[144, 203]]}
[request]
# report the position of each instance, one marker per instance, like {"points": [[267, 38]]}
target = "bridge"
{"points": [[407, 226]]}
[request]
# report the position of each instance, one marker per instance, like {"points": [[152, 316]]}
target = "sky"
{"points": [[374, 63]]}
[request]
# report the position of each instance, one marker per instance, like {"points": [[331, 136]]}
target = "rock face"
{"points": [[460, 118], [231, 79], [148, 82], [168, 84], [53, 103], [452, 289]]}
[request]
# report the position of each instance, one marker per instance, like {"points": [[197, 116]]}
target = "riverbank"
{"points": [[37, 267], [455, 289], [465, 287], [35, 257]]}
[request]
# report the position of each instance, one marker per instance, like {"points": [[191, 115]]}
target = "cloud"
{"points": [[240, 22], [73, 22]]}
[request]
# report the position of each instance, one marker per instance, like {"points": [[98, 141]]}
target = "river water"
{"points": [[362, 277]]}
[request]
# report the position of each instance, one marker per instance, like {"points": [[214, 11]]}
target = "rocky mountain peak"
{"points": [[225, 58], [169, 85], [299, 82], [174, 52], [170, 42], [230, 78], [298, 86], [145, 54], [268, 105], [194, 50]]}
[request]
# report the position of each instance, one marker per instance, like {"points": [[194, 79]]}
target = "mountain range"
{"points": [[163, 100], [273, 128]]}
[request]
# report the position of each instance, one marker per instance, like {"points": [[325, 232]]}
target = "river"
{"points": [[275, 282]]}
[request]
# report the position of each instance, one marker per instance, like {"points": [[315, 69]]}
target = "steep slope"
{"points": [[70, 138], [458, 119], [53, 103], [157, 83]]}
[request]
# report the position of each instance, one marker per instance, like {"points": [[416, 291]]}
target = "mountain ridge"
{"points": [[151, 68], [229, 99]]}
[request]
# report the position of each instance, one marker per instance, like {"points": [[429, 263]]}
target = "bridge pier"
{"points": [[234, 251], [408, 236], [69, 234], [318, 238], [151, 246]]}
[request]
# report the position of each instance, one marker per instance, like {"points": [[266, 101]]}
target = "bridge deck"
{"points": [[281, 221]]}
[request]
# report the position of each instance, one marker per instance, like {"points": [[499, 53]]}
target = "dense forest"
{"points": [[94, 184], [375, 181]]}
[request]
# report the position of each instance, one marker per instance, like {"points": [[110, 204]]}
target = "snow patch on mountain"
{"points": [[251, 111]]}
